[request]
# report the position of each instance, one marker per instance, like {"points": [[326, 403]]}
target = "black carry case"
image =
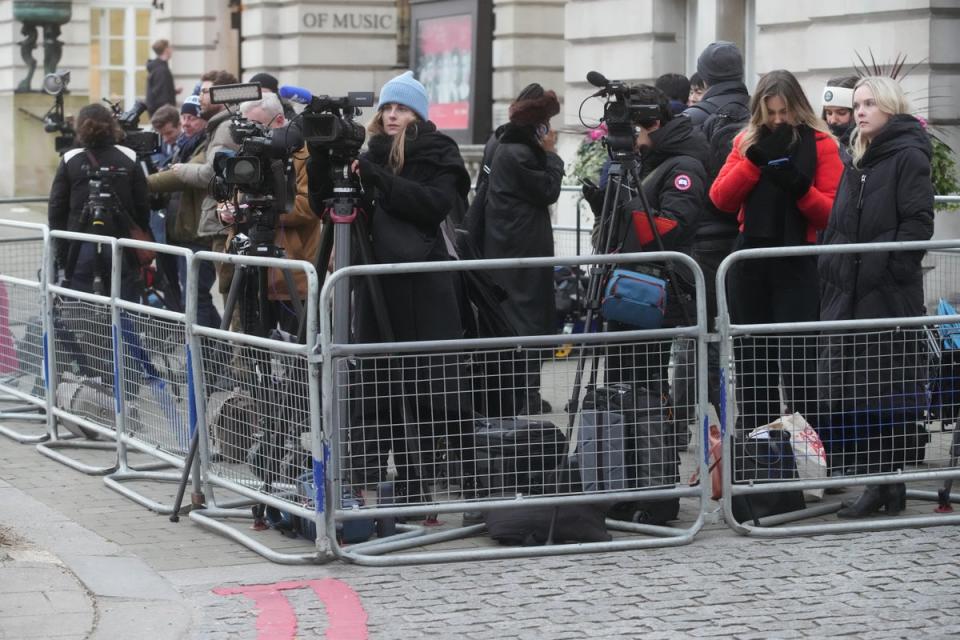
{"points": [[513, 455], [765, 459], [627, 442], [530, 525]]}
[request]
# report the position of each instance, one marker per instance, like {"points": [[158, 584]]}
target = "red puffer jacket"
{"points": [[738, 176]]}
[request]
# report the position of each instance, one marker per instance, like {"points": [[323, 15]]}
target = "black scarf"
{"points": [[770, 215]]}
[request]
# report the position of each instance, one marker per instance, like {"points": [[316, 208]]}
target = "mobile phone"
{"points": [[587, 182], [542, 131]]}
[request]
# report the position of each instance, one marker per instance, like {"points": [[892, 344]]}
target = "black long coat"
{"points": [[889, 198], [524, 181], [407, 210]]}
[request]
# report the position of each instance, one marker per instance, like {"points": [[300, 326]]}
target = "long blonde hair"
{"points": [[395, 158], [890, 99], [784, 84]]}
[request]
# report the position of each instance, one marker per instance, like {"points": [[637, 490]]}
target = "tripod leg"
{"points": [[192, 463], [294, 299], [323, 260]]}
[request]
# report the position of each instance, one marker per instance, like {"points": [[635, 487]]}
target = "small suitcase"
{"points": [[513, 454], [627, 442]]}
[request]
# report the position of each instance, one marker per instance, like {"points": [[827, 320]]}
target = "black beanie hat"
{"points": [[266, 81], [720, 62]]}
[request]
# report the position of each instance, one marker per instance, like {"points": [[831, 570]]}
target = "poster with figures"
{"points": [[444, 66]]}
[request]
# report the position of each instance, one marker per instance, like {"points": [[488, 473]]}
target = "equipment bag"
{"points": [[87, 398], [636, 299], [769, 458], [530, 525], [513, 455]]}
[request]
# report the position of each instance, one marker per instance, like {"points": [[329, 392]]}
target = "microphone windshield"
{"points": [[597, 79], [295, 94]]}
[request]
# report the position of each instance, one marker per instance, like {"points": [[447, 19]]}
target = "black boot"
{"points": [[891, 498]]}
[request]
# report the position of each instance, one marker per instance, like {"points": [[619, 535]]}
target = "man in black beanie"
{"points": [[720, 114], [721, 67], [270, 84]]}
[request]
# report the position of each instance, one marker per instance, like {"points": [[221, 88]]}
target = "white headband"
{"points": [[839, 97]]}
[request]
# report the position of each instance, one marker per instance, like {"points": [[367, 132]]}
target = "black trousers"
{"points": [[709, 254], [767, 291]]}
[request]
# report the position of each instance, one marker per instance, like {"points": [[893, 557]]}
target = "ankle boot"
{"points": [[897, 500], [869, 502]]}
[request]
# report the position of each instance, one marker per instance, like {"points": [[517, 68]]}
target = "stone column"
{"points": [[631, 40], [202, 37], [528, 47], [819, 39]]}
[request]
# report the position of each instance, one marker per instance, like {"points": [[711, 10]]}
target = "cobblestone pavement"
{"points": [[79, 560], [878, 585]]}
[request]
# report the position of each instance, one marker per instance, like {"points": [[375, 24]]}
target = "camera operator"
{"points": [[673, 154], [69, 205], [184, 179], [218, 139], [298, 230], [413, 176], [166, 122]]}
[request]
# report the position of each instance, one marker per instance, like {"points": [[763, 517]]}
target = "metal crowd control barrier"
{"points": [[155, 414], [23, 331], [396, 411], [871, 392], [81, 364], [261, 436]]}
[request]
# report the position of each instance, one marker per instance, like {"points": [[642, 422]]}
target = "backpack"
{"points": [[721, 127]]}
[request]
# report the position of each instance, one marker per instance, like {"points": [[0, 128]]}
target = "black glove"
{"points": [[594, 197], [787, 177], [771, 145]]}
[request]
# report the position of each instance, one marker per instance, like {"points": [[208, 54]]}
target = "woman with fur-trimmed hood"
{"points": [[525, 179]]}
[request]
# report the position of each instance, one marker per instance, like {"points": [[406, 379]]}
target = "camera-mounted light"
{"points": [[235, 93], [56, 83]]}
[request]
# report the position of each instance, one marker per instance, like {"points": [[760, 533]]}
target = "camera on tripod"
{"points": [[143, 143], [621, 113], [329, 122], [55, 84]]}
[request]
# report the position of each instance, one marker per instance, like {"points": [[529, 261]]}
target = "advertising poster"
{"points": [[444, 64]]}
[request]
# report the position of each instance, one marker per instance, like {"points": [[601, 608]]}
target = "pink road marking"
{"points": [[276, 619]]}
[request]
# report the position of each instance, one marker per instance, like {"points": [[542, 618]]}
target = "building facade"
{"points": [[335, 46]]}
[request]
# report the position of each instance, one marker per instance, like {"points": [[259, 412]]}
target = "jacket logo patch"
{"points": [[682, 182]]}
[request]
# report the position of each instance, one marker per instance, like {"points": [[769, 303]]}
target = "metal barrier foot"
{"points": [[116, 482], [49, 449], [204, 520]]}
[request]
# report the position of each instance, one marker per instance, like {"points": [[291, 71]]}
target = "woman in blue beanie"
{"points": [[413, 176]]}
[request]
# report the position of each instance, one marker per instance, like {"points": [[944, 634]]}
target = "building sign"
{"points": [[350, 21], [445, 66]]}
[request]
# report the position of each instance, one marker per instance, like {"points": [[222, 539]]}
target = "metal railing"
{"points": [[406, 399], [863, 385]]}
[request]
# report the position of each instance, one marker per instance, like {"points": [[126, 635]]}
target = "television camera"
{"points": [[143, 143], [621, 113]]}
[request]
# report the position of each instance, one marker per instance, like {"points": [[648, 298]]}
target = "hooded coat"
{"points": [[889, 198], [524, 181]]}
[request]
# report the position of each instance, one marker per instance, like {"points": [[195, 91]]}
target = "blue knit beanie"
{"points": [[406, 90]]}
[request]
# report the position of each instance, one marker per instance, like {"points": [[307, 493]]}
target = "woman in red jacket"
{"points": [[780, 180]]}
